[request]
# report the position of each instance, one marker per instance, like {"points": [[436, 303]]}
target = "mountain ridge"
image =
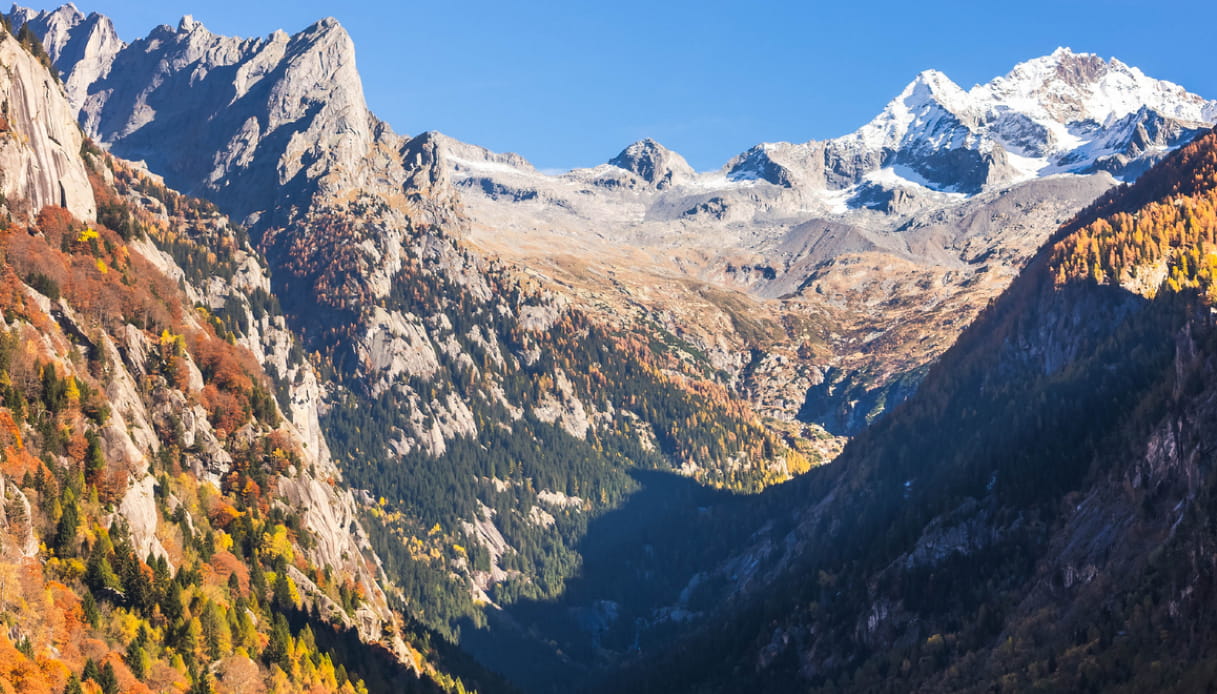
{"points": [[160, 436], [747, 228], [1027, 86], [1080, 77]]}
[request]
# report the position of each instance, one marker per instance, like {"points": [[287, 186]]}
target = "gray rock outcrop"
{"points": [[247, 122], [40, 145], [654, 163], [89, 44]]}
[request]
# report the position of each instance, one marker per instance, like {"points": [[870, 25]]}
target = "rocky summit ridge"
{"points": [[654, 163], [237, 119]]}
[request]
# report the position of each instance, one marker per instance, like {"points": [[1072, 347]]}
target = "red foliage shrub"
{"points": [[56, 223], [226, 411]]}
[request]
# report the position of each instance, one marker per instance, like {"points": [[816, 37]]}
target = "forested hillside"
{"points": [[489, 421], [167, 523], [478, 420]]}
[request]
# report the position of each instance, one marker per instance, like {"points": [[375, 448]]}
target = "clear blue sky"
{"points": [[570, 83]]}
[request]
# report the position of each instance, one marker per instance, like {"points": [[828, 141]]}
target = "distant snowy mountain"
{"points": [[935, 144], [954, 187], [1065, 113]]}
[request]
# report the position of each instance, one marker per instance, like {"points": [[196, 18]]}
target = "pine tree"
{"points": [[99, 574], [91, 671], [89, 606], [217, 636], [201, 684], [138, 657], [278, 648], [69, 522], [171, 604], [95, 459], [137, 585], [283, 592], [108, 679]]}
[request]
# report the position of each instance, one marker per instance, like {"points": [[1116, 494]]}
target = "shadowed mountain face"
{"points": [[511, 364], [1031, 515]]}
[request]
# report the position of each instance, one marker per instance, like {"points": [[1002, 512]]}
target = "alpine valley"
{"points": [[292, 402]]}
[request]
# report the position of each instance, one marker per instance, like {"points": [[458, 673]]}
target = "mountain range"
{"points": [[524, 406], [730, 262]]}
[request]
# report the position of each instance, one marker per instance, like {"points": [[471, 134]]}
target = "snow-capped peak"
{"points": [[931, 83], [1070, 87], [1058, 113], [922, 104]]}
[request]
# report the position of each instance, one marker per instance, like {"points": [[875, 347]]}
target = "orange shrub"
{"points": [[20, 673], [55, 222]]}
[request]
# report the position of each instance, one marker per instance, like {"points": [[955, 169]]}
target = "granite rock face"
{"points": [[89, 44], [246, 122], [40, 161]]}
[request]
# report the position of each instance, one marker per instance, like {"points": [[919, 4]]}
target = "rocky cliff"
{"points": [[40, 160], [89, 44], [251, 123]]}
